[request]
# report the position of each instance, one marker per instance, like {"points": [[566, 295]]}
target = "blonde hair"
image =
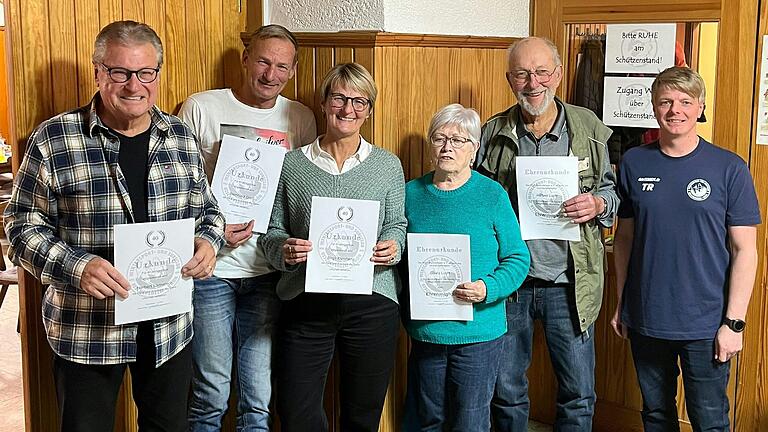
{"points": [[352, 76], [683, 79]]}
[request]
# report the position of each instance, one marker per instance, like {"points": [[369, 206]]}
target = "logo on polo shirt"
{"points": [[698, 189], [648, 183]]}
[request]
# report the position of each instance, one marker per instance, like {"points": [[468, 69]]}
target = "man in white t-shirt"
{"points": [[237, 308]]}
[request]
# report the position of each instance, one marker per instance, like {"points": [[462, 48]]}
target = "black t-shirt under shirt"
{"points": [[133, 163]]}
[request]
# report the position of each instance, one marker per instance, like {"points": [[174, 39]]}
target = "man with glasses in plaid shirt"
{"points": [[117, 160], [564, 287]]}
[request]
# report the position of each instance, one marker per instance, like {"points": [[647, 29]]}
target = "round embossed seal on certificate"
{"points": [[245, 184], [155, 271], [439, 275], [545, 197], [342, 244]]}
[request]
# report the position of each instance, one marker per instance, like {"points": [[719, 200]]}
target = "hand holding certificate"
{"points": [[152, 266], [245, 180], [343, 233], [544, 183], [437, 264]]}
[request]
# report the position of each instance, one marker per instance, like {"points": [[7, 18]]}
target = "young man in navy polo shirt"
{"points": [[685, 257]]}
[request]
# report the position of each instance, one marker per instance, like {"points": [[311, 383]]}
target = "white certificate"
{"points": [[437, 263], [639, 48], [150, 255], [543, 184], [627, 102], [343, 233], [245, 180]]}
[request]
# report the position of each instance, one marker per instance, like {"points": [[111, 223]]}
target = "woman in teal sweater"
{"points": [[455, 362]]}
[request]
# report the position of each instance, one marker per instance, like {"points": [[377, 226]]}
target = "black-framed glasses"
{"points": [[359, 104], [122, 75], [543, 76], [456, 142]]}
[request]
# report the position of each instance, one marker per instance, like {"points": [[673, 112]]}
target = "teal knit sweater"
{"points": [[481, 209], [378, 178]]}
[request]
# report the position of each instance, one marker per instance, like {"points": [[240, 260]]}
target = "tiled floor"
{"points": [[11, 399]]}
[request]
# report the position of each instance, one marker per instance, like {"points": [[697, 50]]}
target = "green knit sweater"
{"points": [[481, 209], [378, 178]]}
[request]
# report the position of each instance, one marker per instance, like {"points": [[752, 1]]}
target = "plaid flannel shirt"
{"points": [[67, 196]]}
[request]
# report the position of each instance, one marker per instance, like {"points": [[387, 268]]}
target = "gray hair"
{"points": [[126, 33], [274, 31], [683, 79], [518, 43], [455, 114]]}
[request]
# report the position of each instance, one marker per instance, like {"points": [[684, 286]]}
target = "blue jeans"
{"points": [[454, 385], [234, 319], [704, 378], [571, 351]]}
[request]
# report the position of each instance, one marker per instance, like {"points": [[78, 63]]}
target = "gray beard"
{"points": [[549, 97]]}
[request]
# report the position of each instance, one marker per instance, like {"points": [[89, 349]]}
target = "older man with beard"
{"points": [[564, 287]]}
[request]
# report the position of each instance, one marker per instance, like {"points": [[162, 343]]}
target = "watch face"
{"points": [[738, 325]]}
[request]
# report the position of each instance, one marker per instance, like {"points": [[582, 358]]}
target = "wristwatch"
{"points": [[736, 325]]}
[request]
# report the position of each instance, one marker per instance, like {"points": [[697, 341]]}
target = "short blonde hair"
{"points": [[352, 76], [682, 79], [456, 114]]}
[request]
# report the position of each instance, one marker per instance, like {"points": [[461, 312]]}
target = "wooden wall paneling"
{"points": [[36, 63], [86, 21], [155, 17], [63, 52], [30, 90], [732, 128], [196, 47], [305, 81], [343, 55], [214, 46], [133, 10], [5, 118], [176, 63], [109, 11], [364, 56], [232, 25]]}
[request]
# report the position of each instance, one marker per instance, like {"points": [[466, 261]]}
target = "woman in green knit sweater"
{"points": [[362, 329], [455, 362]]}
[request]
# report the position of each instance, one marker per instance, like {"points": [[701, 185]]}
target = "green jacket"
{"points": [[588, 136]]}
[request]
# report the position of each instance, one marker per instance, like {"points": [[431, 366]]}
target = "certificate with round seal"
{"points": [[245, 180], [544, 183], [437, 264], [343, 233], [150, 255]]}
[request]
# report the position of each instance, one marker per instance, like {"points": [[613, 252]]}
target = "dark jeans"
{"points": [[363, 330], [571, 351], [87, 393], [704, 378], [454, 385]]}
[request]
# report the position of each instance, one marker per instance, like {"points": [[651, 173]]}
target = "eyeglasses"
{"points": [[122, 75], [456, 142], [543, 76], [359, 104]]}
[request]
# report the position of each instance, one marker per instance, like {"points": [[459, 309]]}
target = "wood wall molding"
{"points": [[362, 39], [616, 11]]}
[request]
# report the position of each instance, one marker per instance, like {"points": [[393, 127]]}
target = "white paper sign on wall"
{"points": [[627, 102], [639, 48]]}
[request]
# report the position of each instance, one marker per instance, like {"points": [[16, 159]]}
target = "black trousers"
{"points": [[363, 330], [87, 393]]}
